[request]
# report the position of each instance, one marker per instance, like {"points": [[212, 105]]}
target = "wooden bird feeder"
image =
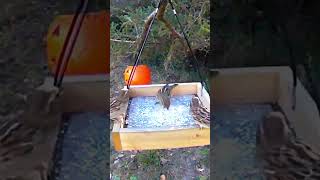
{"points": [[269, 85], [161, 138], [89, 93]]}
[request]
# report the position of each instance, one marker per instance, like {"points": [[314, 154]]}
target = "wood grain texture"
{"points": [[245, 86], [305, 118], [151, 90], [153, 139], [85, 93], [269, 85]]}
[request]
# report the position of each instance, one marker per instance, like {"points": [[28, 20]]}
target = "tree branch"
{"points": [[122, 41], [160, 17]]}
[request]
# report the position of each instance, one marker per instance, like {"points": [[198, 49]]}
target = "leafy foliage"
{"points": [[149, 159], [127, 25], [133, 178]]}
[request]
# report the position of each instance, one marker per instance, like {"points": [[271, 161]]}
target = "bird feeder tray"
{"points": [[271, 85], [132, 138]]}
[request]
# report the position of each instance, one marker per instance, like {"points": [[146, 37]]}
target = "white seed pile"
{"points": [[145, 112]]}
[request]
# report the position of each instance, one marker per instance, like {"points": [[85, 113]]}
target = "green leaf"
{"points": [[133, 178]]}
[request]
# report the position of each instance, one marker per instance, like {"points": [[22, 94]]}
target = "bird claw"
{"points": [[201, 127]]}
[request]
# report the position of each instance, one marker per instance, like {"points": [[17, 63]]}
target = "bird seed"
{"points": [[145, 112]]}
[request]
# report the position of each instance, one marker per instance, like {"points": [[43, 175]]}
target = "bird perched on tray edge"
{"points": [[20, 135], [164, 95], [122, 98], [283, 155], [200, 113], [117, 104]]}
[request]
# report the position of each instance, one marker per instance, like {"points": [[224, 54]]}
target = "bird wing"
{"points": [[199, 112]]}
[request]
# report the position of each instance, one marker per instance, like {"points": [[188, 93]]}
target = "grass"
{"points": [[204, 152], [160, 49], [149, 158], [205, 156], [133, 178], [202, 178]]}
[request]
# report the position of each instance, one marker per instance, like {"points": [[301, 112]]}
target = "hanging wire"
{"points": [[142, 47], [196, 62], [67, 47], [146, 37]]}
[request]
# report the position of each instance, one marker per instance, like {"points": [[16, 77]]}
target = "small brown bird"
{"points": [[117, 104], [122, 98], [200, 113], [164, 95], [282, 154], [44, 114]]}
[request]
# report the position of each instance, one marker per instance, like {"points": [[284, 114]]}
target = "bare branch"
{"points": [[160, 17], [122, 41]]}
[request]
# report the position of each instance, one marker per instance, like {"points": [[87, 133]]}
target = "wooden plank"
{"points": [[116, 140], [120, 115], [85, 78], [203, 96], [305, 118], [90, 96], [270, 84], [245, 85], [261, 69], [151, 90], [164, 139], [156, 129], [85, 93]]}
